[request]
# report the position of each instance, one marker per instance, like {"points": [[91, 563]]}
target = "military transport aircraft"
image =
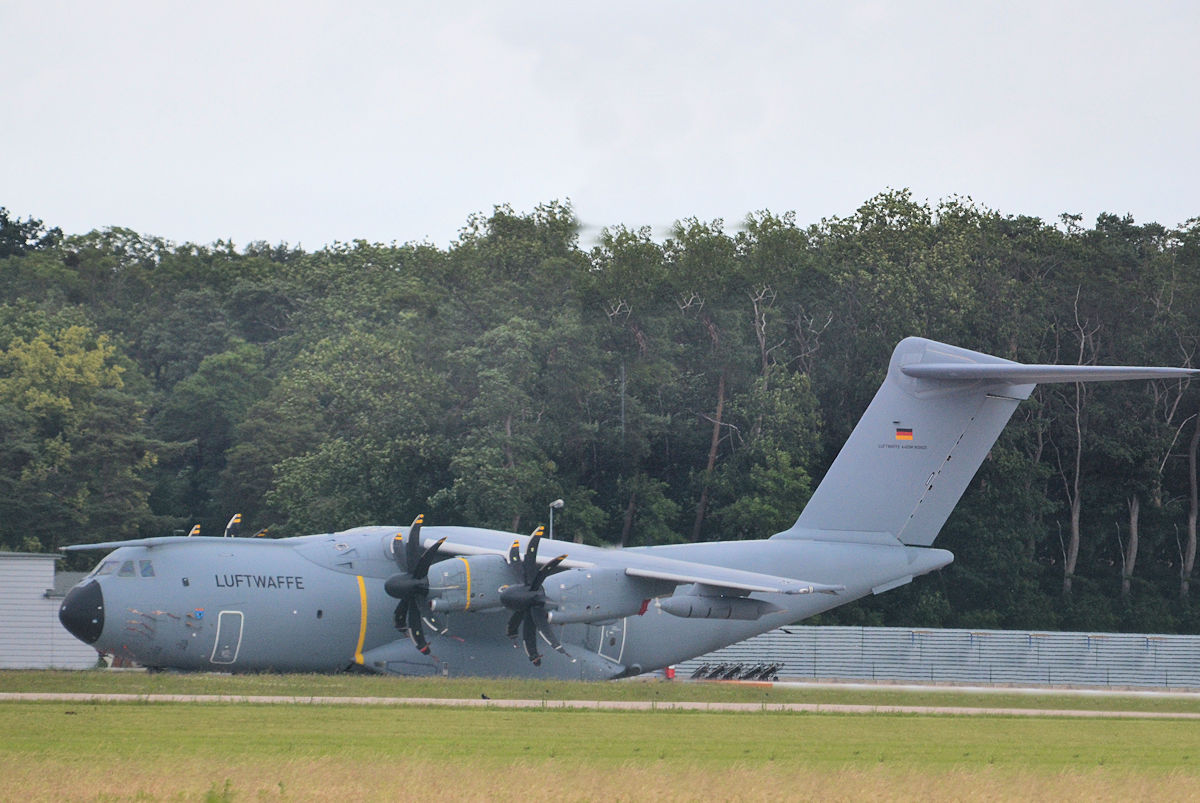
{"points": [[465, 600]]}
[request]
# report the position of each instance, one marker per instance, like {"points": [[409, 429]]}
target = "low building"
{"points": [[31, 637]]}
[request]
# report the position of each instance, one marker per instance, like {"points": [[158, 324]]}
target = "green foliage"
{"points": [[73, 456], [23, 236], [765, 482], [201, 414], [353, 431], [690, 388]]}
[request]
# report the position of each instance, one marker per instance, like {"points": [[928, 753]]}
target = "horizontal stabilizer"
{"points": [[1019, 374]]}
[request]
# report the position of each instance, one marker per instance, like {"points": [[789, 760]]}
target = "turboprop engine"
{"points": [[469, 584], [594, 595], [575, 595], [538, 593]]}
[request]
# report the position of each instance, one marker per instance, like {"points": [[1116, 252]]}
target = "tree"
{"points": [[353, 431], [763, 485], [19, 237], [502, 470], [75, 455], [201, 413]]}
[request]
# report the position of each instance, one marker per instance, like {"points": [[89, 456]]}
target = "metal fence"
{"points": [[959, 656]]}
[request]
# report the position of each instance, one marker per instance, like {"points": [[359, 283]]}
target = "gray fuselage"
{"points": [[317, 604]]}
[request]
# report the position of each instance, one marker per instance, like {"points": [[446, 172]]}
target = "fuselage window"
{"points": [[107, 567], [127, 570], [146, 567]]}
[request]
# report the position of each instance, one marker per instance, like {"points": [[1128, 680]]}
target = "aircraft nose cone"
{"points": [[82, 612]]}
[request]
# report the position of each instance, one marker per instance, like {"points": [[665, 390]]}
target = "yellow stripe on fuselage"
{"points": [[362, 623], [467, 569]]}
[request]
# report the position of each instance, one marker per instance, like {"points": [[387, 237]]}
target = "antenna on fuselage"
{"points": [[231, 527]]}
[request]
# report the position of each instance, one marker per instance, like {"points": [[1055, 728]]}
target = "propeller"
{"points": [[527, 600], [411, 585]]}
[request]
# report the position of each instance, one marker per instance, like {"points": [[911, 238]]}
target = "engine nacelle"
{"points": [[594, 595], [470, 584], [696, 607]]}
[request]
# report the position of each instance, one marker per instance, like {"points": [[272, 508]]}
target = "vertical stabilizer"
{"points": [[924, 436], [913, 453]]}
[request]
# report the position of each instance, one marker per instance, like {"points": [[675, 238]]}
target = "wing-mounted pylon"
{"points": [[411, 585]]}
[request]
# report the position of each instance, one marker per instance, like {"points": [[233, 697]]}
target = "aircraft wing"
{"points": [[466, 550], [716, 580], [158, 540]]}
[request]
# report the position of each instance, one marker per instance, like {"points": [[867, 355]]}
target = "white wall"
{"points": [[31, 637]]}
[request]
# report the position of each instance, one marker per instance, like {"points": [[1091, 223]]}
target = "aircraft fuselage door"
{"points": [[229, 637], [612, 640]]}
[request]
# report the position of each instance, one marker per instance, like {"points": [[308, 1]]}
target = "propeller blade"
{"points": [[413, 545], [543, 627], [437, 624], [415, 632], [527, 602], [400, 617], [545, 571], [529, 631], [514, 623], [530, 565], [421, 570]]}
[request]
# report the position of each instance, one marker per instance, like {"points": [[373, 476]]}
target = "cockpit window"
{"points": [[127, 570], [107, 567], [146, 568]]}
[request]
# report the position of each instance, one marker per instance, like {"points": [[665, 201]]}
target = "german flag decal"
{"points": [[903, 434]]}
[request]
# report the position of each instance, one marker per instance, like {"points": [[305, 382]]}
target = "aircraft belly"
{"points": [[474, 645]]}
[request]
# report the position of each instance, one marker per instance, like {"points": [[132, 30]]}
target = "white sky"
{"points": [[308, 122]]}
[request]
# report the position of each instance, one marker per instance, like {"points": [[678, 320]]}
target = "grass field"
{"points": [[501, 688], [152, 751]]}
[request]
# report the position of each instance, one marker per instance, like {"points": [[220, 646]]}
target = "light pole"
{"points": [[557, 504]]}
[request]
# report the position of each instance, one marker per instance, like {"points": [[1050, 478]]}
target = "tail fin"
{"points": [[923, 437]]}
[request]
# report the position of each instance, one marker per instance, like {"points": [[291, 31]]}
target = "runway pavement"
{"points": [[598, 705]]}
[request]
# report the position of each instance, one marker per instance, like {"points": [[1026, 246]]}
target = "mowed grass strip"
{"points": [[347, 685], [163, 750], [403, 778], [226, 732]]}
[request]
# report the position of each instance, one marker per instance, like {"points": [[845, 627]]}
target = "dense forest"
{"points": [[685, 387]]}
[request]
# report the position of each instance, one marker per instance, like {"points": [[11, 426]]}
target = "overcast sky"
{"points": [[309, 122]]}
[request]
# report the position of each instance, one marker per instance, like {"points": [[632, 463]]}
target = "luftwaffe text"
{"points": [[273, 581]]}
